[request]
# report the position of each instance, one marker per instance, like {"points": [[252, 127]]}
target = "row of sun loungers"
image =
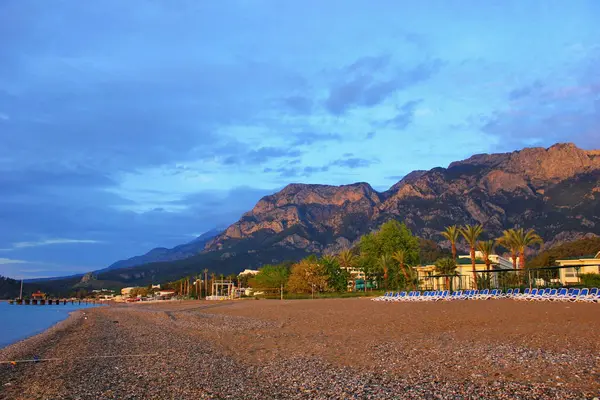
{"points": [[563, 294]]}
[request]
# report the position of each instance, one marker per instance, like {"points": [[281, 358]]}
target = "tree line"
{"points": [[385, 259]]}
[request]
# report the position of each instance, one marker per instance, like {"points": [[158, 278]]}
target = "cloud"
{"points": [[260, 156], [525, 91], [10, 261], [353, 163], [543, 117], [367, 90], [405, 116], [49, 242], [293, 172], [308, 138], [299, 104], [369, 64]]}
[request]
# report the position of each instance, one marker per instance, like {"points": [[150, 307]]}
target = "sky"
{"points": [[128, 125]]}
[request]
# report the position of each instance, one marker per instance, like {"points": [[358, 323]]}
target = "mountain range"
{"points": [[161, 254], [555, 191]]}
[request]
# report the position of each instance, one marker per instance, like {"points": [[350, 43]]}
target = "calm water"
{"points": [[18, 322]]}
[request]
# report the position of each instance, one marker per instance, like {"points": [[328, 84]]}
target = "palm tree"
{"points": [[384, 263], [487, 249], [400, 257], [508, 240], [347, 261], [446, 266], [523, 240], [452, 234], [471, 233]]}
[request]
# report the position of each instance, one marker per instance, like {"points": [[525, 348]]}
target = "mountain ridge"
{"points": [[159, 254], [479, 189]]}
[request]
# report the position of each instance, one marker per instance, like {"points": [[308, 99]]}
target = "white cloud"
{"points": [[10, 261], [22, 245]]}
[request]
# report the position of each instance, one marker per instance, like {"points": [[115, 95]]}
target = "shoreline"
{"points": [[31, 342], [335, 348]]}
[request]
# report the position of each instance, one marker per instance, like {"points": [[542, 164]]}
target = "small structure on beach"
{"points": [[165, 294], [222, 290], [38, 296]]}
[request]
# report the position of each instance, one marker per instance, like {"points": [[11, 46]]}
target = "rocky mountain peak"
{"points": [[304, 194]]}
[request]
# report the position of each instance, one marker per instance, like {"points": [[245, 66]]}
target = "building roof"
{"points": [[587, 257]]}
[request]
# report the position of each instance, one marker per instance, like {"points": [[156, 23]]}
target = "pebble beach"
{"points": [[312, 349]]}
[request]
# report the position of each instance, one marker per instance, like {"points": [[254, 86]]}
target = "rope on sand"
{"points": [[34, 360]]}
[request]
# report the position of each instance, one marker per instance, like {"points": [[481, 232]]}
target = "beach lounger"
{"points": [[442, 296], [465, 295], [549, 295], [456, 295], [483, 295], [572, 295], [583, 293], [491, 295], [593, 297], [515, 293], [508, 293], [401, 296], [527, 294], [562, 294], [539, 295]]}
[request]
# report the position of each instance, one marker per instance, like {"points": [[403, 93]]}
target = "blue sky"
{"points": [[126, 125]]}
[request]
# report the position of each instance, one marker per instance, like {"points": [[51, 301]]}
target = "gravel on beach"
{"points": [[320, 349]]}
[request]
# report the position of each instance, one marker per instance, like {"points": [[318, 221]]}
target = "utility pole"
{"points": [[205, 282], [281, 291], [21, 293]]}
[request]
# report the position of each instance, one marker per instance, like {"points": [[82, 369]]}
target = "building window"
{"points": [[570, 273]]}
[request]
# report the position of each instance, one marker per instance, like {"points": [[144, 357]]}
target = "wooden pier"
{"points": [[52, 302]]}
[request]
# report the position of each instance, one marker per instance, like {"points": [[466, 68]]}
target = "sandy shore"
{"points": [[338, 348]]}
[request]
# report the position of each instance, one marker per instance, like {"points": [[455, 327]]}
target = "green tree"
{"points": [[400, 257], [337, 277], [471, 233], [271, 277], [452, 233], [446, 266]]}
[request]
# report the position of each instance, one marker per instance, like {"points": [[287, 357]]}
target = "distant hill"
{"points": [[162, 254]]}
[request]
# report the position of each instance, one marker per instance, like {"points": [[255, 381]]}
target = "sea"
{"points": [[18, 322]]}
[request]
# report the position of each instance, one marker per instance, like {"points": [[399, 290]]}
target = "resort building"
{"points": [[125, 291], [576, 266], [463, 278], [248, 272], [165, 294]]}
